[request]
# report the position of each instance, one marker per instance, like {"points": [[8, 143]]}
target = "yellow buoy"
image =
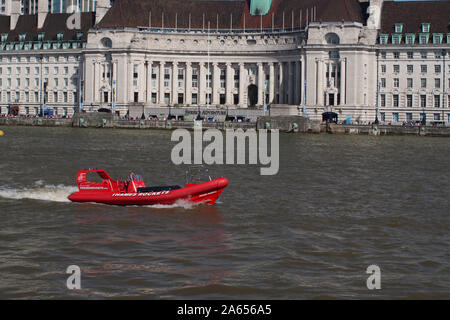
{"points": [[1, 133]]}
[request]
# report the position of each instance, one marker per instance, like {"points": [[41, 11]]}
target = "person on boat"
{"points": [[135, 177]]}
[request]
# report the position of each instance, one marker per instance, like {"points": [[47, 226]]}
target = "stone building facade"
{"points": [[355, 58]]}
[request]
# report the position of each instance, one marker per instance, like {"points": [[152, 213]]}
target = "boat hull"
{"points": [[206, 192]]}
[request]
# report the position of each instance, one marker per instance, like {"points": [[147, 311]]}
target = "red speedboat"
{"points": [[109, 191]]}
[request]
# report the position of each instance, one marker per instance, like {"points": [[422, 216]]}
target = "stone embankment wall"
{"points": [[291, 124]]}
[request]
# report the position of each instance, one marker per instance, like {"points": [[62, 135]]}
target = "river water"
{"points": [[337, 205]]}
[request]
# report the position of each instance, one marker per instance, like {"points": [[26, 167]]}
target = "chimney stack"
{"points": [[15, 14], [42, 12]]}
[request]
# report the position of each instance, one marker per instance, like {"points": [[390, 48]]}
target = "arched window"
{"points": [[332, 38], [106, 42]]}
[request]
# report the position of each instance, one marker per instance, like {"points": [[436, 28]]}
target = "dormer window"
{"points": [[425, 27], [448, 38], [396, 38], [79, 35], [60, 36], [41, 36], [383, 38], [22, 36], [398, 27], [423, 38], [410, 38], [437, 38], [4, 37]]}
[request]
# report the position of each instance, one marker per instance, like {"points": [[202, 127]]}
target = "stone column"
{"points": [[298, 84], [242, 82], [229, 84], [303, 89], [114, 79], [202, 84], [174, 97], [161, 82], [215, 87], [141, 82], [99, 81], [290, 83], [261, 79], [271, 83], [343, 82], [130, 87], [320, 76], [281, 84], [94, 82], [188, 83], [148, 84]]}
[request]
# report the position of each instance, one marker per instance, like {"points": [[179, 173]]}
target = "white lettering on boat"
{"points": [[143, 194]]}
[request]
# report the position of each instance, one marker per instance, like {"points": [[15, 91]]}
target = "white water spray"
{"points": [[40, 191]]}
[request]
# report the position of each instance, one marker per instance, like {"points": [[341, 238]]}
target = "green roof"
{"points": [[260, 7]]}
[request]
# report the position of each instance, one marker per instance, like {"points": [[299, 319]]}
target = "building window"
{"points": [[55, 96], [437, 101], [194, 78], [409, 82], [383, 82], [136, 97], [425, 27], [410, 39], [437, 116], [194, 98], [396, 68], [236, 77], [395, 117], [166, 98], [409, 116], [65, 96], [396, 39], [423, 101], [395, 100], [180, 98], [437, 82], [410, 68], [398, 27], [208, 78], [154, 97], [383, 68], [396, 55], [154, 76], [223, 76], [423, 82], [424, 55], [437, 38], [383, 38], [383, 100], [383, 116], [423, 68], [423, 39], [437, 68], [180, 77], [409, 100], [166, 77], [437, 55], [383, 55], [396, 82]]}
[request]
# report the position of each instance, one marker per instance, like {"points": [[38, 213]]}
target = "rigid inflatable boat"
{"points": [[109, 191]]}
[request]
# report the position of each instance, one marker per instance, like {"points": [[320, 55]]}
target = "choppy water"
{"points": [[337, 205]]}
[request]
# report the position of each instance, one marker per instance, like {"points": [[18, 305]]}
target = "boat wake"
{"points": [[39, 191], [178, 204]]}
